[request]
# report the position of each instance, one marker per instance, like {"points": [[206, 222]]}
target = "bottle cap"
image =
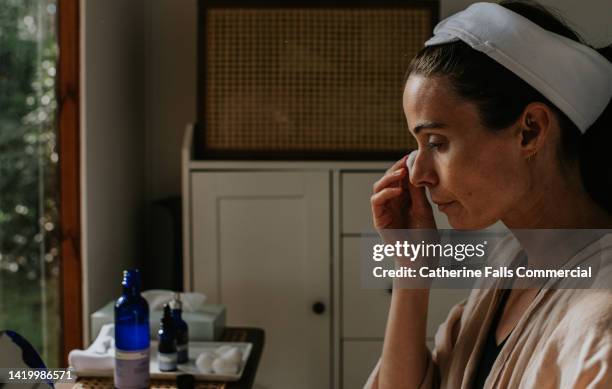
{"points": [[176, 303], [167, 322], [131, 279], [185, 381]]}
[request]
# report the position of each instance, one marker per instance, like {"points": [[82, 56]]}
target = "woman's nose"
{"points": [[421, 170]]}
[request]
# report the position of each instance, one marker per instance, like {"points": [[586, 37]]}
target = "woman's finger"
{"points": [[399, 164], [417, 195], [388, 179], [382, 221], [384, 195]]}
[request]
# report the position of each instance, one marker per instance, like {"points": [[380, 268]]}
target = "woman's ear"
{"points": [[535, 125]]}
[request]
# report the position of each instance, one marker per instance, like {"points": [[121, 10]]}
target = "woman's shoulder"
{"points": [[589, 306], [592, 305]]}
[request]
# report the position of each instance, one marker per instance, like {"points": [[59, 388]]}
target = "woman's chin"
{"points": [[463, 222]]}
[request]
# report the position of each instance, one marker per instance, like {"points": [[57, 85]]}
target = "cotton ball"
{"points": [[204, 362], [234, 355], [224, 366]]}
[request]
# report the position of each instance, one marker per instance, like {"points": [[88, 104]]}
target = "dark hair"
{"points": [[501, 96]]}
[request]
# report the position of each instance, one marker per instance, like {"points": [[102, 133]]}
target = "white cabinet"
{"points": [[261, 247], [271, 239]]}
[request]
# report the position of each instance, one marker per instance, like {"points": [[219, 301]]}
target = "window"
{"points": [[30, 236]]}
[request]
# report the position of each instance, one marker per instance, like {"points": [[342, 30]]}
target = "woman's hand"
{"points": [[397, 204]]}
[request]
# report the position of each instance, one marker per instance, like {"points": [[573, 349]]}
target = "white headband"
{"points": [[574, 77]]}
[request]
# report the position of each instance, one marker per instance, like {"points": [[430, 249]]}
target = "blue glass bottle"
{"points": [[131, 335], [182, 331], [166, 352]]}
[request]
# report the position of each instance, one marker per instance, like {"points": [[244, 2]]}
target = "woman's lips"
{"points": [[444, 206]]}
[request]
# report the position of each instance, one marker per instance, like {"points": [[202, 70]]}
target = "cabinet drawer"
{"points": [[358, 361], [359, 358], [356, 193], [364, 311]]}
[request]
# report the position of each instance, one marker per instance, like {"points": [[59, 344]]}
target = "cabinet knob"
{"points": [[318, 307], [390, 290]]}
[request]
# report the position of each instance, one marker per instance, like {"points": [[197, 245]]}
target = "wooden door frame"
{"points": [[68, 127]]}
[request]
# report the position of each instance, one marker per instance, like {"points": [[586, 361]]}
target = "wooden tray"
{"points": [[195, 349]]}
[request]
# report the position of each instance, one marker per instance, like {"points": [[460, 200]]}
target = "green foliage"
{"points": [[28, 159], [29, 241]]}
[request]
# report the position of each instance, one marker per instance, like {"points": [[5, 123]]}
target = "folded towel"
{"points": [[100, 356], [157, 298]]}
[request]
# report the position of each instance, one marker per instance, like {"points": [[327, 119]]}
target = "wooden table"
{"points": [[230, 334]]}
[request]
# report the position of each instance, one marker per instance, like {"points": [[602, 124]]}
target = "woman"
{"points": [[512, 117]]}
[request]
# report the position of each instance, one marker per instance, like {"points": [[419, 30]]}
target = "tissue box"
{"points": [[205, 324]]}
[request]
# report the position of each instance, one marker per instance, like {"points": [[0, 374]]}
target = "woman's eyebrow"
{"points": [[423, 125]]}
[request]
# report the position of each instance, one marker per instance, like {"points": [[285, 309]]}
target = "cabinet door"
{"points": [[261, 247]]}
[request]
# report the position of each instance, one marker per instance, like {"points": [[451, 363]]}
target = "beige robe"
{"points": [[564, 339]]}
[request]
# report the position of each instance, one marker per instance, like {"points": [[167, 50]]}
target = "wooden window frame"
{"points": [[68, 127]]}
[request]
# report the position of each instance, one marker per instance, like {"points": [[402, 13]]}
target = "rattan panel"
{"points": [[308, 80]]}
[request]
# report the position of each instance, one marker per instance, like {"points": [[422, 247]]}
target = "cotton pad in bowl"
{"points": [[224, 366], [204, 362], [234, 355]]}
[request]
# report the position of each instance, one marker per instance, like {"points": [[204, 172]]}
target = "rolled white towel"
{"points": [[100, 356], [83, 360]]}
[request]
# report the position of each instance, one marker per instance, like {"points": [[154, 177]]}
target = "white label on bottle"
{"points": [[166, 361], [131, 369]]}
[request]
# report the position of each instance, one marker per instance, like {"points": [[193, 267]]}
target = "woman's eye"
{"points": [[434, 141]]}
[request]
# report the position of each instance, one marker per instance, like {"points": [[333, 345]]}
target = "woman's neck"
{"points": [[556, 202], [557, 207]]}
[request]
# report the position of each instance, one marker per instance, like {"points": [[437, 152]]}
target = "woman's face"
{"points": [[474, 175]]}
